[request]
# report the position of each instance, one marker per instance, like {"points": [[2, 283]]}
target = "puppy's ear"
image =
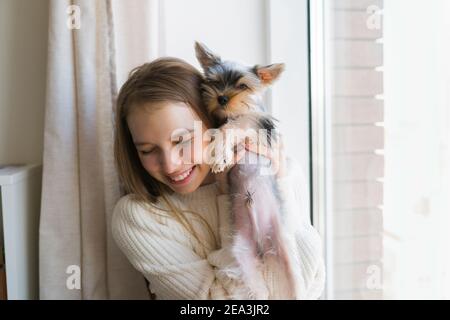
{"points": [[205, 56], [268, 74]]}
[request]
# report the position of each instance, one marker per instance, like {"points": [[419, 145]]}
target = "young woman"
{"points": [[173, 222]]}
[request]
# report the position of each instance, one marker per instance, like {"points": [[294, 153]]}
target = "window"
{"points": [[381, 133]]}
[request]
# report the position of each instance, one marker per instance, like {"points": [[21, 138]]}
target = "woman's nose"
{"points": [[170, 161]]}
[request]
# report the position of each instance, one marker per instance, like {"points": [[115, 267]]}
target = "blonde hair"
{"points": [[164, 79]]}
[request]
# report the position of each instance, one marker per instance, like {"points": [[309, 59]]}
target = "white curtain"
{"points": [[80, 185]]}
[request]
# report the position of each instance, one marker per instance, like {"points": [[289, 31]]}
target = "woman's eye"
{"points": [[182, 139], [242, 86], [144, 152]]}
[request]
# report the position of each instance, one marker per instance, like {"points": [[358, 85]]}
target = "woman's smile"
{"points": [[182, 177]]}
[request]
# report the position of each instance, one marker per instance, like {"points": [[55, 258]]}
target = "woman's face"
{"points": [[170, 152]]}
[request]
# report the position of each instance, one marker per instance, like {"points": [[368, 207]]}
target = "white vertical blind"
{"points": [[417, 150], [381, 129], [353, 57]]}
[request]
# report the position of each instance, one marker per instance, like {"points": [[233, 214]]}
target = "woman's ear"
{"points": [[206, 58], [268, 74]]}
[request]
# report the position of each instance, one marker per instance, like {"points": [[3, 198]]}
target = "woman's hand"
{"points": [[275, 154]]}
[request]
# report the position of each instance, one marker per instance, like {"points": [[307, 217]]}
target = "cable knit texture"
{"points": [[178, 266]]}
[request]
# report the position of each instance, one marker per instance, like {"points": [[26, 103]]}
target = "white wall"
{"points": [[417, 152], [234, 28], [23, 55]]}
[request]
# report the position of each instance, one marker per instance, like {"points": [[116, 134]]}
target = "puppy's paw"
{"points": [[218, 168], [223, 157], [259, 292], [220, 164]]}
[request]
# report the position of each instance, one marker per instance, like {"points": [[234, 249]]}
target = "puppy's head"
{"points": [[231, 89]]}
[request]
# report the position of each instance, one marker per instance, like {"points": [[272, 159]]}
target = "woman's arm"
{"points": [[165, 257], [309, 259]]}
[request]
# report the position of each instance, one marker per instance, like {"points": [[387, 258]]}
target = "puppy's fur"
{"points": [[233, 96]]}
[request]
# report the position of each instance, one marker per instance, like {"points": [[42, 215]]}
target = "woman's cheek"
{"points": [[191, 153], [150, 164], [202, 152], [197, 153]]}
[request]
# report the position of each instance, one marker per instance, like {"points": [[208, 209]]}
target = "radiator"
{"points": [[20, 197]]}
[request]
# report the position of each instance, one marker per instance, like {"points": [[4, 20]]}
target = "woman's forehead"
{"points": [[152, 123]]}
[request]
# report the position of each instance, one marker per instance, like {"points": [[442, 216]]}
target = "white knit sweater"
{"points": [[177, 266]]}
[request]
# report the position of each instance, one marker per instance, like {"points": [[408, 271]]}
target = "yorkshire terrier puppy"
{"points": [[233, 95]]}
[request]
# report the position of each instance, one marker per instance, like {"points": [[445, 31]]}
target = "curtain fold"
{"points": [[80, 184]]}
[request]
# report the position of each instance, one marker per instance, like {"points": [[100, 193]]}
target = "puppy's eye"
{"points": [[242, 86]]}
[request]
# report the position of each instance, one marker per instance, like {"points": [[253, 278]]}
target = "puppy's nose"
{"points": [[223, 100]]}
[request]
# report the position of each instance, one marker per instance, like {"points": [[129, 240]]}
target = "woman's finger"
{"points": [[239, 154], [260, 149]]}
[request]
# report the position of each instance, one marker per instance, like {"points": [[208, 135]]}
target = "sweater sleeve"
{"points": [[309, 258], [165, 257]]}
